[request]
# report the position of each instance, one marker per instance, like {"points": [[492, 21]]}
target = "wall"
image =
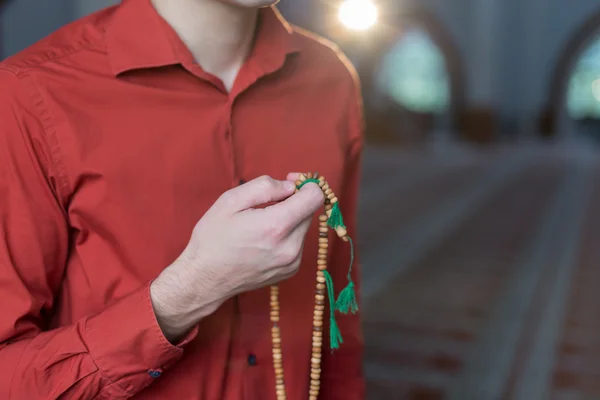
{"points": [[85, 7], [23, 22]]}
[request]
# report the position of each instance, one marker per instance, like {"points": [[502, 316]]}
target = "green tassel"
{"points": [[335, 336], [335, 218], [346, 301]]}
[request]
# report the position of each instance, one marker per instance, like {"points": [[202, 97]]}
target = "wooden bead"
{"points": [[341, 231], [317, 296], [318, 334], [321, 286], [323, 218], [323, 240], [315, 350], [327, 192], [322, 256], [278, 351], [319, 312], [317, 323], [278, 370], [317, 329], [323, 250], [317, 344], [321, 183], [320, 302], [302, 177], [324, 246], [326, 186], [314, 392], [311, 397], [309, 175], [274, 319], [334, 200], [323, 234], [315, 376], [321, 262], [321, 279], [276, 340], [315, 382], [276, 356], [320, 274]]}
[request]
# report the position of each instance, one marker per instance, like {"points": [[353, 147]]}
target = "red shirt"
{"points": [[113, 144]]}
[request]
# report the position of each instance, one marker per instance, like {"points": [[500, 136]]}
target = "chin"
{"points": [[252, 3]]}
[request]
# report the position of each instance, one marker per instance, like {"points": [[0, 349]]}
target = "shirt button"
{"points": [[252, 360], [154, 373]]}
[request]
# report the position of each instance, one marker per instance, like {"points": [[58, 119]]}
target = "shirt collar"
{"points": [[137, 38]]}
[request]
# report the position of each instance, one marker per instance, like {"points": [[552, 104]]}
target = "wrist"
{"points": [[180, 302]]}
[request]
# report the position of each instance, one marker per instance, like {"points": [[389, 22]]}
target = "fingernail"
{"points": [[289, 185]]}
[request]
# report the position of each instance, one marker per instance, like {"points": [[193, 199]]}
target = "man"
{"points": [[134, 259]]}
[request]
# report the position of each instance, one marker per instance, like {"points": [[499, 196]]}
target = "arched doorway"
{"points": [[414, 87], [574, 99], [583, 92]]}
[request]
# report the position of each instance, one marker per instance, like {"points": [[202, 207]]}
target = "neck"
{"points": [[218, 35]]}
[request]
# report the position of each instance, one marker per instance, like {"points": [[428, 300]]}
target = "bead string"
{"points": [[332, 218]]}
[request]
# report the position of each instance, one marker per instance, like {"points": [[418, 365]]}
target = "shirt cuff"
{"points": [[128, 345]]}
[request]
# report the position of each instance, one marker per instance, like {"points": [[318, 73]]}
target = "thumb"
{"points": [[255, 193]]}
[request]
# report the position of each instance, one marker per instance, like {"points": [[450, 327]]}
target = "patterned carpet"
{"points": [[481, 274]]}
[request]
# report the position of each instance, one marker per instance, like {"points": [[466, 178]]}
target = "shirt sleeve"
{"points": [[342, 370], [109, 355]]}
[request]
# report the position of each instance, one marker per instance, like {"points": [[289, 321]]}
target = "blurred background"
{"points": [[480, 202]]}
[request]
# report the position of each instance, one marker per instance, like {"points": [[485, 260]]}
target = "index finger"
{"points": [[298, 207]]}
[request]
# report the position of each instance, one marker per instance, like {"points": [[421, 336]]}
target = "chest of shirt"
{"points": [[146, 162]]}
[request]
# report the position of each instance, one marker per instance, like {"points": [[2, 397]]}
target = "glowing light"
{"points": [[596, 89], [358, 14]]}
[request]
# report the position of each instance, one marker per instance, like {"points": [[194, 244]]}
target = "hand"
{"points": [[235, 248]]}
